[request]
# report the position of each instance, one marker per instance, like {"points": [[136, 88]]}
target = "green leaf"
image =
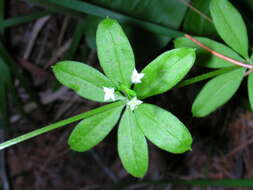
{"points": [[230, 25], [132, 145], [217, 92], [83, 79], [114, 52], [165, 72], [163, 129], [250, 85], [193, 19], [94, 129], [205, 58], [250, 90]]}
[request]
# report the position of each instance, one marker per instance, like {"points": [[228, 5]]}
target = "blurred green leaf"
{"points": [[132, 145], [217, 92], [193, 19], [163, 129], [230, 25], [165, 72], [205, 58], [94, 129], [250, 86], [165, 13], [115, 52], [250, 90], [76, 8]]}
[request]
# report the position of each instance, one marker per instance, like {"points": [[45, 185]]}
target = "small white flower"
{"points": [[134, 103], [109, 94], [136, 77]]}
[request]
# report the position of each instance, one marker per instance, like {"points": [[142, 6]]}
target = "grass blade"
{"points": [[23, 19], [234, 183]]}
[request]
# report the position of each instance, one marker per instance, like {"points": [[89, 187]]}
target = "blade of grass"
{"points": [[78, 7], [23, 19], [205, 76], [195, 182], [58, 124]]}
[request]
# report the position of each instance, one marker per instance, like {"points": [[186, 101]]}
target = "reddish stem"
{"points": [[197, 11], [235, 62]]}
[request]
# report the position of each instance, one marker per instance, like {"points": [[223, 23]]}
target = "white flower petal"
{"points": [[136, 77], [134, 103], [109, 94]]}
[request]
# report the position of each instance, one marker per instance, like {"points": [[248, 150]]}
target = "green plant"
{"points": [[211, 54], [139, 120]]}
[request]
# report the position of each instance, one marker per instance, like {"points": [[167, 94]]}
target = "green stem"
{"points": [[59, 124], [205, 76]]}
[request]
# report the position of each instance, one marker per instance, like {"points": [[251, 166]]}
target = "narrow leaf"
{"points": [[217, 92], [15, 21], [250, 90], [250, 85], [132, 145], [93, 130], [230, 25], [83, 79], [165, 72], [205, 58], [163, 129]]}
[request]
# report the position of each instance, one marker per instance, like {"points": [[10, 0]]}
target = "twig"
{"points": [[58, 53], [248, 72], [231, 60], [197, 11], [36, 29]]}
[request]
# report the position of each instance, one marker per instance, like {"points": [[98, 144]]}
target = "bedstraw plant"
{"points": [[125, 89]]}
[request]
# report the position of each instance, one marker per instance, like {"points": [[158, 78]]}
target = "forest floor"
{"points": [[222, 146]]}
